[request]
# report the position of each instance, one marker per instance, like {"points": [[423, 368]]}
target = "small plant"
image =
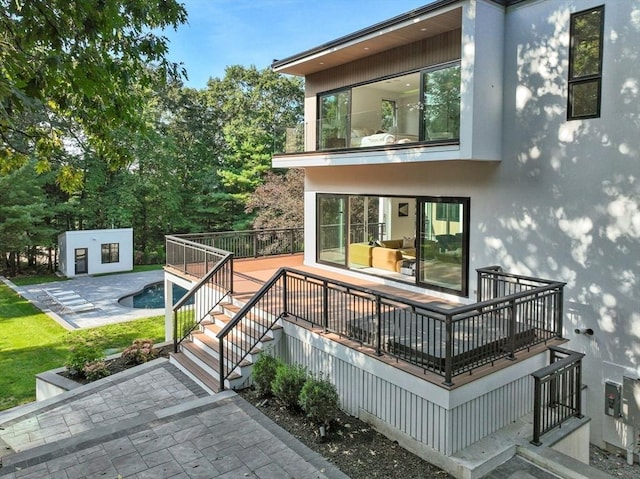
{"points": [[319, 400], [82, 351], [95, 370], [288, 383], [264, 372], [141, 351]]}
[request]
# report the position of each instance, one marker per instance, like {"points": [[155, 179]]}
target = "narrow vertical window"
{"points": [[585, 64]]}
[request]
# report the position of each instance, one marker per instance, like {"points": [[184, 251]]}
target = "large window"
{"points": [[585, 64], [422, 106], [422, 241], [110, 253]]}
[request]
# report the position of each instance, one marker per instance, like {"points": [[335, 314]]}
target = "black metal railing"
{"points": [[197, 303], [247, 243], [445, 341], [557, 391]]}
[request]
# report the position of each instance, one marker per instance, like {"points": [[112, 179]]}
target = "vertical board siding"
{"points": [[442, 48], [446, 431]]}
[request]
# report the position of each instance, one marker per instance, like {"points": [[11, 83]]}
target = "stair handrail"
{"points": [[225, 265], [239, 316]]}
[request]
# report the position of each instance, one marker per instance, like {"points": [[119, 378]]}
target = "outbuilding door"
{"points": [[81, 261]]}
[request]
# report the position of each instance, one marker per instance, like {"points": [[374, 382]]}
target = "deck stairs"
{"points": [[199, 355]]}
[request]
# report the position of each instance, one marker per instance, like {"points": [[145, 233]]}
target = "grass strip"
{"points": [[31, 342]]}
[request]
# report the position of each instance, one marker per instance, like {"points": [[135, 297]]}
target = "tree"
{"points": [[22, 216], [78, 70], [256, 108], [279, 202]]}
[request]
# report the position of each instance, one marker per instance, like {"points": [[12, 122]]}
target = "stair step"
{"points": [[225, 318], [214, 329], [214, 345], [194, 369], [205, 358], [243, 327]]}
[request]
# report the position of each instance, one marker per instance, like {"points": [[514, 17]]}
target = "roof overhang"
{"points": [[428, 21]]}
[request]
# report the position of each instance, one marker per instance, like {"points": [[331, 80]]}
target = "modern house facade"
{"points": [[479, 159], [95, 251], [488, 133]]}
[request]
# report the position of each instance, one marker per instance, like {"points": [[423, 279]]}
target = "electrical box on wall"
{"points": [[612, 398], [631, 400]]}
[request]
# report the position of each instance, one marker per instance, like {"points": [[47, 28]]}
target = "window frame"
{"points": [[421, 131], [110, 253], [574, 81]]}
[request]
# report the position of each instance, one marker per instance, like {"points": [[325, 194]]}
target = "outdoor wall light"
{"points": [[586, 331]]}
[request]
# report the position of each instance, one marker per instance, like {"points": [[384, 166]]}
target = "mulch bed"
{"points": [[352, 445]]}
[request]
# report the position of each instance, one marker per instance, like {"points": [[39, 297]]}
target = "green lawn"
{"points": [[31, 342]]}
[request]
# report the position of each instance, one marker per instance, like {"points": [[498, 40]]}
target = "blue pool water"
{"points": [[152, 296]]}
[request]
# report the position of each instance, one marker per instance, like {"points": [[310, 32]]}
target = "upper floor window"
{"points": [[110, 253], [416, 107], [585, 64]]}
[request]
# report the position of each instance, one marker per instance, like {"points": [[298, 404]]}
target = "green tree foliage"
{"points": [[279, 201], [23, 216], [256, 107], [80, 68]]}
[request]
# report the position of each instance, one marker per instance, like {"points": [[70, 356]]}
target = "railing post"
{"points": [[479, 287], [325, 306], [184, 257], [512, 329], [221, 362], [578, 393], [231, 274], [537, 407], [559, 311], [378, 327], [448, 351], [285, 295], [293, 240]]}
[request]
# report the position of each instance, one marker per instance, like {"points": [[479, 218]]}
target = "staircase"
{"points": [[199, 354]]}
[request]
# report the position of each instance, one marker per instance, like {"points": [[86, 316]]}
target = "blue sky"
{"points": [[254, 32]]}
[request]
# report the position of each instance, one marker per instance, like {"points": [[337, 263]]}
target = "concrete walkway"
{"points": [[150, 422]]}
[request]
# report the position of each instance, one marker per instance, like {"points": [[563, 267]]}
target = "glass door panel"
{"points": [[443, 243], [334, 120], [332, 229]]}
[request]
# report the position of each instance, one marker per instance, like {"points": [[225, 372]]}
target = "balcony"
{"points": [[422, 87]]}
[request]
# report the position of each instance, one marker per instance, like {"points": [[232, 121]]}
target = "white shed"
{"points": [[95, 251]]}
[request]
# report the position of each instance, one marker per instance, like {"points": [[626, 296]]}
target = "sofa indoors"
{"points": [[388, 254]]}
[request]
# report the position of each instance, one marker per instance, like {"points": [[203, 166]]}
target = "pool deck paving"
{"points": [[102, 291]]}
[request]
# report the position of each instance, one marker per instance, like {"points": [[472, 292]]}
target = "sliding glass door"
{"points": [[443, 246], [332, 229]]}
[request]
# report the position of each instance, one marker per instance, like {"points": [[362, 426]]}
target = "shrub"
{"points": [[264, 372], [319, 400], [288, 383], [139, 352], [95, 370], [81, 353]]}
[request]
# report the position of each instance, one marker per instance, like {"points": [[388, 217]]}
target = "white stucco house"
{"points": [[533, 164], [437, 144], [95, 251]]}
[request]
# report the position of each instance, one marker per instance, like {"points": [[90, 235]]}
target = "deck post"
{"points": [[325, 306], [448, 351], [536, 411], [559, 311], [512, 329], [378, 327], [285, 295]]}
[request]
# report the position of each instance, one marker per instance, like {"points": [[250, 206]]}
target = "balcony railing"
{"points": [[188, 248], [557, 391], [447, 342]]}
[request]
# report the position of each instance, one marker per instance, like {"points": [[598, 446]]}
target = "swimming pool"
{"points": [[152, 296]]}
